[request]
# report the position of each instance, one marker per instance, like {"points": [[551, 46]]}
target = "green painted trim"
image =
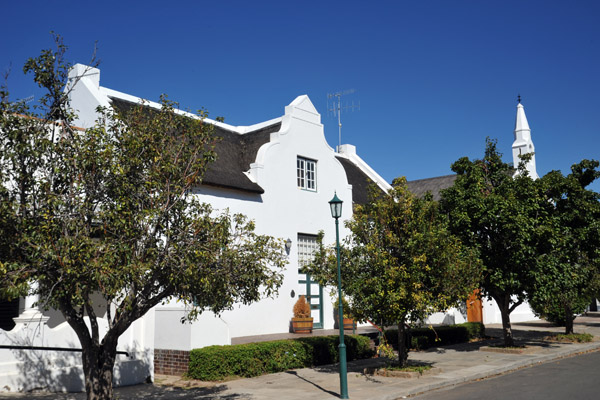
{"points": [[308, 282]]}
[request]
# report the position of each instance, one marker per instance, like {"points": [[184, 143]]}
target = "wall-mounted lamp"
{"points": [[288, 245]]}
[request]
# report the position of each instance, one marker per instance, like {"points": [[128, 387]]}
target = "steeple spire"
{"points": [[523, 143], [521, 124]]}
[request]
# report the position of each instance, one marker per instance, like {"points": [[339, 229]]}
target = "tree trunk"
{"points": [[402, 346], [568, 320], [98, 358], [504, 305], [98, 364]]}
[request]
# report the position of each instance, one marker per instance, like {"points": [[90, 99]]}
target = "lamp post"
{"points": [[336, 212]]}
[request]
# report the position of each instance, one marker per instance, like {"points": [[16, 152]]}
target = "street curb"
{"points": [[532, 360]]}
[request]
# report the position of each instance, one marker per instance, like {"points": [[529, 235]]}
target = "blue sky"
{"points": [[433, 78]]}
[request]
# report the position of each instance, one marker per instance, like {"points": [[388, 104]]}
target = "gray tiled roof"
{"points": [[432, 185]]}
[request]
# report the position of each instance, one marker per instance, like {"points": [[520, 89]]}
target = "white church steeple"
{"points": [[523, 144]]}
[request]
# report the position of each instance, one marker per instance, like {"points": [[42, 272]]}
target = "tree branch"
{"points": [[93, 322], [515, 305]]}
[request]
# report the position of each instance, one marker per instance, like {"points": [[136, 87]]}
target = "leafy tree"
{"points": [[551, 308], [108, 212], [568, 274], [495, 211], [400, 262]]}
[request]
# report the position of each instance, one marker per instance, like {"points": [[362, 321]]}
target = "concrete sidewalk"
{"points": [[456, 364]]}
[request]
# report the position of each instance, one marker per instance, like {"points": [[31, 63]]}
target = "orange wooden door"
{"points": [[474, 307]]}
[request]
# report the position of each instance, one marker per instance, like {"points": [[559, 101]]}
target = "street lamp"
{"points": [[336, 212]]}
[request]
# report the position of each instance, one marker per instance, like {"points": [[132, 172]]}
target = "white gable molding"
{"points": [[349, 151]]}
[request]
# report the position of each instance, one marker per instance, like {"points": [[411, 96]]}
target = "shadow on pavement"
{"points": [[312, 383], [527, 338], [146, 391], [157, 392]]}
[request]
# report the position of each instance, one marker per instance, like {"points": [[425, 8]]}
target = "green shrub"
{"points": [[552, 310], [419, 342], [423, 338], [254, 359], [476, 329], [575, 337]]}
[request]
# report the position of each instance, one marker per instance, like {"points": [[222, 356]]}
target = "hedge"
{"points": [[253, 359], [423, 338]]}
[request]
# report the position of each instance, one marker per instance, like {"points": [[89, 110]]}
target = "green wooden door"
{"points": [[307, 246]]}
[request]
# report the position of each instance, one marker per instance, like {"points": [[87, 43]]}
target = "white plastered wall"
{"points": [[61, 371]]}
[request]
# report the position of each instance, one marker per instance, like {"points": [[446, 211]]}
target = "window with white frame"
{"points": [[306, 173], [307, 247]]}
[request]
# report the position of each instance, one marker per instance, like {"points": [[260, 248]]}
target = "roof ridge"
{"points": [[433, 177]]}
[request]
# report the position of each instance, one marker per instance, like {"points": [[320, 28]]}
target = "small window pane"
{"points": [[306, 173], [307, 247]]}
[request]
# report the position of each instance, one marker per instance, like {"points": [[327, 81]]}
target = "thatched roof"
{"points": [[358, 179], [235, 153], [431, 185]]}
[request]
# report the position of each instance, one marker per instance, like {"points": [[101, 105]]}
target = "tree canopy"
{"points": [[495, 211], [568, 272], [109, 211], [400, 262], [538, 239]]}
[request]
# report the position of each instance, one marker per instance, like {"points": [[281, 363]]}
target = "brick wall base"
{"points": [[171, 362]]}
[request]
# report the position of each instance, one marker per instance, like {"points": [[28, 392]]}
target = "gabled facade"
{"points": [[281, 173]]}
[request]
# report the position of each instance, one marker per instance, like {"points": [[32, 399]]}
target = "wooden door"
{"points": [[475, 307]]}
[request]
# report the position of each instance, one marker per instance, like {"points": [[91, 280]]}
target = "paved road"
{"points": [[575, 378]]}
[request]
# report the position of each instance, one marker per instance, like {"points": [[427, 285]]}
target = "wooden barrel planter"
{"points": [[302, 325], [349, 324]]}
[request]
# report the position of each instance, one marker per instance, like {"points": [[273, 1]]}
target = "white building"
{"points": [[281, 173]]}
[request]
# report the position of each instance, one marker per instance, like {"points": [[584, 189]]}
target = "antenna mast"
{"points": [[337, 108], [26, 100]]}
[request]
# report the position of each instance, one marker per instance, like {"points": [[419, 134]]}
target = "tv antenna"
{"points": [[337, 108], [26, 100]]}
